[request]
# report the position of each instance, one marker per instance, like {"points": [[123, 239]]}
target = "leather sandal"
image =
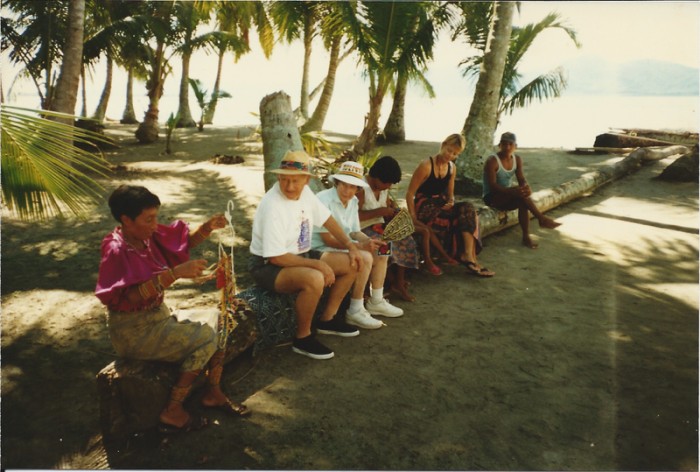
{"points": [[232, 408], [193, 424]]}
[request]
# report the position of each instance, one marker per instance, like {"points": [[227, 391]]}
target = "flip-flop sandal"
{"points": [[193, 424], [232, 408], [434, 271], [474, 270]]}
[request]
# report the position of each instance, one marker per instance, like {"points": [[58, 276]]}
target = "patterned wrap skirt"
{"points": [[159, 335], [403, 252], [449, 224]]}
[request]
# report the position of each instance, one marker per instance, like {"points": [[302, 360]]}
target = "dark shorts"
{"points": [[265, 274], [503, 206]]}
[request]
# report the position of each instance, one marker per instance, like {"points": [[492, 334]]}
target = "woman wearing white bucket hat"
{"points": [[344, 206]]}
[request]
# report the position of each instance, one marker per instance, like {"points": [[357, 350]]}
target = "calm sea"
{"points": [[567, 122]]}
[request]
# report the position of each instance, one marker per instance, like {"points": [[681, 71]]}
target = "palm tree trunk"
{"points": [[129, 115], [211, 108], [316, 121], [186, 120], [395, 128], [365, 142], [69, 79], [279, 134], [101, 109], [482, 120], [147, 132], [83, 92], [304, 101]]}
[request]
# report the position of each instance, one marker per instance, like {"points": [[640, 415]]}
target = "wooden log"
{"points": [[686, 138], [617, 140], [492, 221]]}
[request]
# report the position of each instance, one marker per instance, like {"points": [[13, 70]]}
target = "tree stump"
{"points": [[279, 134], [132, 393]]}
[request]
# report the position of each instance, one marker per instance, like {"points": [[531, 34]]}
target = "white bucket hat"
{"points": [[350, 172]]}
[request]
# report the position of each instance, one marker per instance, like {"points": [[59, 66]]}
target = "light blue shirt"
{"points": [[347, 217]]}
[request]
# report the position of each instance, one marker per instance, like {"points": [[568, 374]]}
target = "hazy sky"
{"points": [[621, 31]]}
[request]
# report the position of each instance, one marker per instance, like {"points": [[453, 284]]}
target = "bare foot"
{"points": [[549, 223], [527, 242], [403, 293], [177, 417]]}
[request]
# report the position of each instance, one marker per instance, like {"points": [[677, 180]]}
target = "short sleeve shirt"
{"points": [[347, 217], [284, 226]]}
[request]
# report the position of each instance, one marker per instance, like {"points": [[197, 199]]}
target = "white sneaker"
{"points": [[363, 319], [383, 308]]}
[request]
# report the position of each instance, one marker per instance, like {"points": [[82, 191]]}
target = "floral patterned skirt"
{"points": [[449, 224]]}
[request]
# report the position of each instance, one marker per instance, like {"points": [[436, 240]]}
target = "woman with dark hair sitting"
{"points": [[140, 259]]}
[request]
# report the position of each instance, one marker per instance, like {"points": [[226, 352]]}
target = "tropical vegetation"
{"points": [[392, 42]]}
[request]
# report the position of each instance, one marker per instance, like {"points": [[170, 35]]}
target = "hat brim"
{"points": [[348, 179], [290, 172]]}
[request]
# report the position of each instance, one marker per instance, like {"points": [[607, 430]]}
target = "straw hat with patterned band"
{"points": [[350, 172], [294, 163]]}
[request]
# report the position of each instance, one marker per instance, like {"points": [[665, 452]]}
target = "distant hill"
{"points": [[596, 76]]}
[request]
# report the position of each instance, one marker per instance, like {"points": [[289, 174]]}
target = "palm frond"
{"points": [[43, 171], [546, 86]]}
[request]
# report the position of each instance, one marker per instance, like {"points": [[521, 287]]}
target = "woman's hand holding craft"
{"points": [[190, 269]]}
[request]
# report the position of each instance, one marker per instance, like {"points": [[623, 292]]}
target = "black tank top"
{"points": [[434, 185]]}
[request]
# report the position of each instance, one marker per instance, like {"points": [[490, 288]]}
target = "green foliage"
{"points": [[205, 101], [170, 125], [474, 28], [43, 169]]}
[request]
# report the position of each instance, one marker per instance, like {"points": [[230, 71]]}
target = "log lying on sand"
{"points": [[685, 138], [492, 221], [620, 140]]}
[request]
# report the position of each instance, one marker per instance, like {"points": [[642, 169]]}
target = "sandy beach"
{"points": [[580, 355]]}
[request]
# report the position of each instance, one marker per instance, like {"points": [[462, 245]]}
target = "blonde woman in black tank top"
{"points": [[430, 200]]}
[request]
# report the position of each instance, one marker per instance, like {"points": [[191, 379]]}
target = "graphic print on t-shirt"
{"points": [[304, 241]]}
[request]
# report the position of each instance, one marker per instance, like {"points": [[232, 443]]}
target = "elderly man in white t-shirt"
{"points": [[282, 260]]}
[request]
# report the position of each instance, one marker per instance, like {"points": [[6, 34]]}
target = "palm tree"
{"points": [[394, 130], [234, 20], [43, 171], [201, 94], [155, 17], [295, 20], [332, 31], [483, 113], [35, 36], [513, 94], [392, 38], [189, 16]]}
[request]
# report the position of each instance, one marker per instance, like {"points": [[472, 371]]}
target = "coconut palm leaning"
{"points": [[514, 94], [43, 173]]}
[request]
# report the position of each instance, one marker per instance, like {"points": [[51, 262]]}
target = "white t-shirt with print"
{"points": [[283, 226]]}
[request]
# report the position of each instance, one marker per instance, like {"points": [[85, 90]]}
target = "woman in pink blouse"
{"points": [[140, 259]]}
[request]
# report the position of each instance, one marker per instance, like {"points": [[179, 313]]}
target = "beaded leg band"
{"points": [[216, 368], [179, 393]]}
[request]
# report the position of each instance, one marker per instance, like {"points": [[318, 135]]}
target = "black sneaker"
{"points": [[308, 346], [337, 327]]}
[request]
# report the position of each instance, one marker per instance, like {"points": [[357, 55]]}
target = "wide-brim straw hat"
{"points": [[350, 172], [294, 163]]}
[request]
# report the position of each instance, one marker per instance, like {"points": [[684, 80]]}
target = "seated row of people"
{"points": [[302, 243]]}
